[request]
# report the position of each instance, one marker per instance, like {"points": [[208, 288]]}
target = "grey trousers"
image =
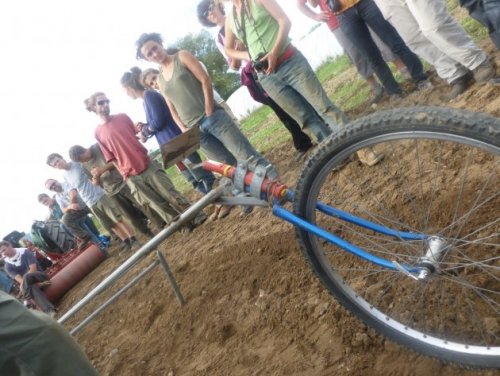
{"points": [[433, 34]]}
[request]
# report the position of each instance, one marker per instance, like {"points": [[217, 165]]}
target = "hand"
{"points": [[96, 172], [272, 62], [138, 126], [96, 180], [322, 17]]}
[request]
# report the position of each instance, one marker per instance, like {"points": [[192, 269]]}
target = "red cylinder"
{"points": [[74, 272]]}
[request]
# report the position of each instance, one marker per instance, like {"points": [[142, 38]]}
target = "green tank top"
{"points": [[257, 30], [185, 92]]}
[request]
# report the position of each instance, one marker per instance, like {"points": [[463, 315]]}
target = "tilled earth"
{"points": [[253, 307]]}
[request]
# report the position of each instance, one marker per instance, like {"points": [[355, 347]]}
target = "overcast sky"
{"points": [[55, 54]]}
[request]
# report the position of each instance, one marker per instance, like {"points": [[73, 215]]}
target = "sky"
{"points": [[54, 55]]}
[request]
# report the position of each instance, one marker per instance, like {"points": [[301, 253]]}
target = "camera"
{"points": [[258, 65]]}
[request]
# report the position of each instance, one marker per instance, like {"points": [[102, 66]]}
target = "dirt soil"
{"points": [[253, 307]]}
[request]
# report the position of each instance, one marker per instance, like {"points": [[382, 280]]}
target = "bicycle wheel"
{"points": [[439, 176]]}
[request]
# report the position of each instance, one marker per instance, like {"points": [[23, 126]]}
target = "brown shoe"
{"points": [[458, 86], [368, 157]]}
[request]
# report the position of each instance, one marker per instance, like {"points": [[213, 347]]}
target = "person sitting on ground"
{"points": [[75, 212], [107, 177], [432, 33], [212, 14], [101, 206], [22, 266], [6, 283], [33, 344], [149, 183]]}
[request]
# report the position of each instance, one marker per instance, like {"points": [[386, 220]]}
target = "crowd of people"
{"points": [[127, 192]]}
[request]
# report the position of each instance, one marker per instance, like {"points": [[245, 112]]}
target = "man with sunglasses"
{"points": [[149, 183]]}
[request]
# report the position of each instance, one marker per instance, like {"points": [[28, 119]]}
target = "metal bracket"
{"points": [[258, 178], [239, 176]]}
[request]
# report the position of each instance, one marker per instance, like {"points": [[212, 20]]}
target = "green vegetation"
{"points": [[332, 67]]}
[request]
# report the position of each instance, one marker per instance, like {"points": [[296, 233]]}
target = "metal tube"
{"points": [[99, 309], [145, 249], [170, 278]]}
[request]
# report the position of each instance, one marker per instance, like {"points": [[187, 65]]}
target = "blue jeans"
{"points": [[296, 89], [5, 282], [354, 23], [222, 141]]}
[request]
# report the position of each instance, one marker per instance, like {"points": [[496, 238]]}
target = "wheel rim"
{"points": [[458, 308]]}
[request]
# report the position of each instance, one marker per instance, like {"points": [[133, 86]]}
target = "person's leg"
{"points": [[204, 178], [301, 141], [371, 14], [131, 213], [356, 30], [73, 220], [400, 16], [151, 215], [492, 13], [215, 149], [445, 33], [5, 282], [295, 105], [223, 129], [157, 179], [32, 343], [145, 196], [31, 290]]}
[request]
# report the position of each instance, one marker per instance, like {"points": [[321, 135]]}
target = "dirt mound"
{"points": [[253, 306]]}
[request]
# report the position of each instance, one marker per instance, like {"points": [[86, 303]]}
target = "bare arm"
{"points": [[194, 66], [305, 9], [231, 44]]}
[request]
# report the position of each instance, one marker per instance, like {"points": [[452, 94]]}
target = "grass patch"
{"points": [[332, 67], [253, 121], [474, 29], [351, 94]]}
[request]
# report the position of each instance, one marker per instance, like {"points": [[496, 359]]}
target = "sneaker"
{"points": [[483, 72], [199, 219], [368, 157], [134, 244], [458, 86], [246, 210]]}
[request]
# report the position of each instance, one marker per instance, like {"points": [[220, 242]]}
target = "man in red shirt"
{"points": [[147, 180]]}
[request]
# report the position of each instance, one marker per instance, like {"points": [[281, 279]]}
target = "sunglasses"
{"points": [[103, 102]]}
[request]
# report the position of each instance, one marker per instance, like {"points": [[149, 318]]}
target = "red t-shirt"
{"points": [[118, 142], [332, 22]]}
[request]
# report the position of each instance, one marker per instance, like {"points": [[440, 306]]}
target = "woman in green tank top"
{"points": [[187, 89], [285, 74]]}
